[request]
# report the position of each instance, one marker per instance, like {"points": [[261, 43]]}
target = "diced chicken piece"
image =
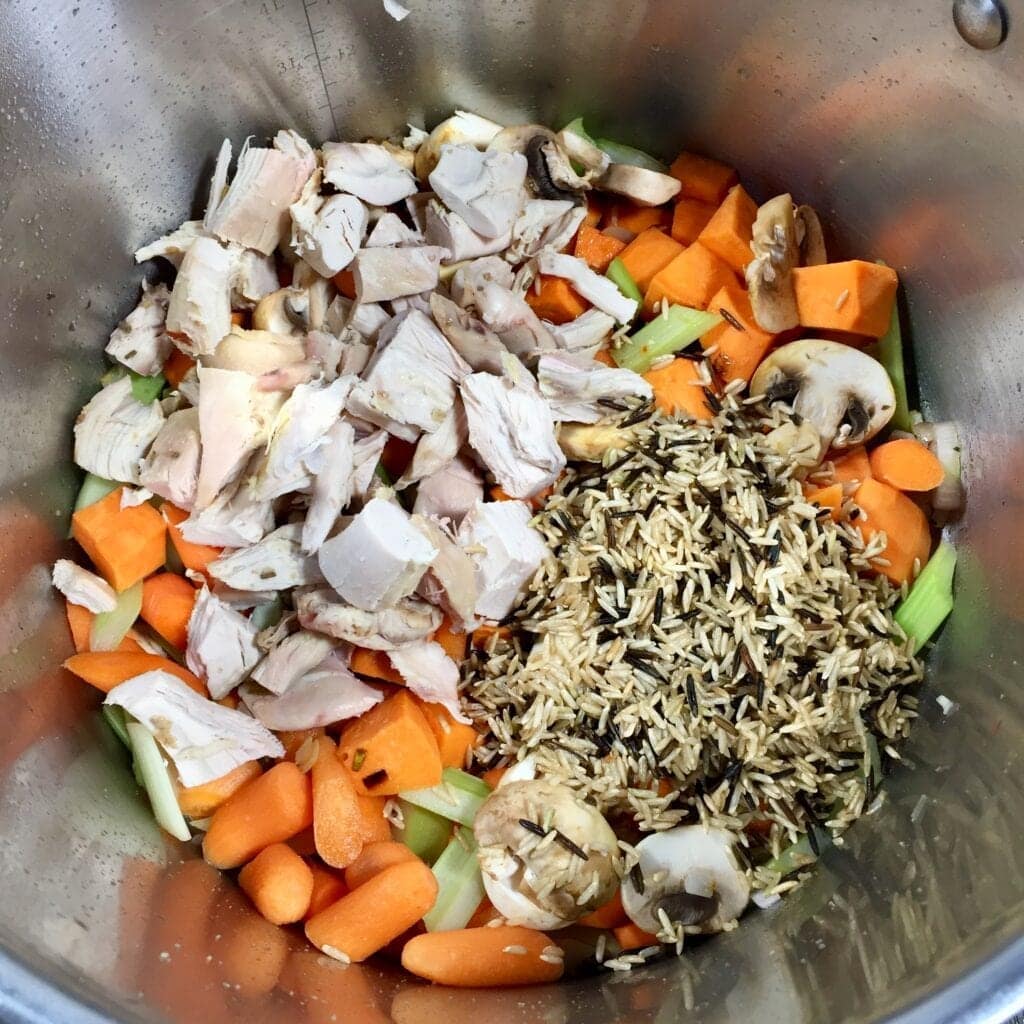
{"points": [[199, 313], [594, 287], [172, 247], [171, 469], [412, 377], [275, 563], [367, 319], [255, 278], [204, 740], [255, 352], [587, 334], [450, 492], [389, 272], [292, 144], [509, 315], [239, 600], [221, 644], [378, 559], [290, 660], [512, 431], [329, 693], [234, 520], [385, 630], [234, 421], [544, 224], [355, 355], [414, 138], [83, 588], [410, 302], [324, 349], [333, 467], [434, 451], [140, 341], [219, 179], [450, 582], [363, 406], [254, 210], [338, 312], [472, 276], [447, 229], [507, 552], [416, 205], [392, 230], [473, 340], [298, 430], [575, 386], [328, 236], [486, 190], [368, 171], [114, 431], [430, 674], [365, 460], [288, 378]]}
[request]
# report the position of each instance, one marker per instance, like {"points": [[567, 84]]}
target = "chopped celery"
{"points": [[458, 797], [146, 389], [156, 780], [115, 373], [889, 352], [621, 277], [115, 718], [801, 853], [576, 127], [265, 615], [930, 599], [424, 832], [94, 488], [110, 628], [623, 154], [460, 886], [663, 336]]}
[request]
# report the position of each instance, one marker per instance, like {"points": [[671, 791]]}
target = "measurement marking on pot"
{"points": [[313, 33]]}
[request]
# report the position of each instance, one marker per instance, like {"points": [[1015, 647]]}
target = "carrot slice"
{"points": [[454, 739], [741, 344], [692, 279], [689, 219], [851, 467], [279, 883], [596, 248], [345, 282], [854, 296], [908, 538], [729, 231], [493, 776], [637, 218], [193, 556], [678, 389], [907, 465], [167, 601], [556, 301], [827, 497], [649, 253], [177, 366], [375, 858], [202, 800], [107, 669], [375, 665], [702, 178]]}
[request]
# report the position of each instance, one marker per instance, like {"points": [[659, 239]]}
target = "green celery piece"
{"points": [[623, 154], [622, 278], [460, 885], [115, 718], [156, 780], [576, 127], [94, 488], [665, 335], [115, 373], [265, 615], [800, 854], [110, 628], [889, 352], [424, 832], [147, 389], [458, 797], [930, 599]]}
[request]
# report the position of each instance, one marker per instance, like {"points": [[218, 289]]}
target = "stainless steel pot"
{"points": [[907, 141]]}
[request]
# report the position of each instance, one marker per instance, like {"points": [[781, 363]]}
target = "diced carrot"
{"points": [[678, 389], [270, 809], [345, 282], [239, 317], [494, 775], [177, 366], [595, 210], [482, 634], [229, 700], [202, 800], [689, 219], [854, 296], [498, 493], [167, 601], [279, 883], [374, 859], [907, 465], [193, 556], [556, 301], [454, 643], [391, 747], [851, 467], [293, 740], [125, 544], [637, 218], [381, 909], [908, 539], [702, 178], [827, 497], [692, 279], [328, 887], [740, 348], [631, 936], [729, 231], [107, 669], [648, 254], [375, 665], [596, 248], [454, 739], [80, 623], [611, 915], [484, 957], [665, 786]]}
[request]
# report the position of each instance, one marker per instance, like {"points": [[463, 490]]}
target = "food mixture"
{"points": [[509, 553]]}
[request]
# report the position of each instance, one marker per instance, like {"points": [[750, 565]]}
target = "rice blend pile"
{"points": [[702, 643]]}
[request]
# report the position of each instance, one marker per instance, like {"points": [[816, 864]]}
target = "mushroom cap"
{"points": [[277, 314], [588, 442], [643, 186], [550, 166], [542, 883], [842, 391], [769, 275], [689, 861], [462, 128]]}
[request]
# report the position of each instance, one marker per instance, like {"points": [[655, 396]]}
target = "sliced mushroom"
{"points": [[462, 128], [690, 875], [644, 187], [551, 172], [584, 442], [811, 237], [295, 310], [537, 880], [277, 313], [770, 274], [584, 152], [843, 392], [798, 443]]}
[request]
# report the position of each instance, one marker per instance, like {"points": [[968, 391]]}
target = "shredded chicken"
{"points": [[367, 170], [576, 386], [385, 630], [171, 469], [290, 660], [221, 644], [199, 311], [275, 563], [83, 588], [140, 341], [431, 674], [451, 492], [486, 189]]}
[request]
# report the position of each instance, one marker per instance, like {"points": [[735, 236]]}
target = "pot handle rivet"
{"points": [[981, 23]]}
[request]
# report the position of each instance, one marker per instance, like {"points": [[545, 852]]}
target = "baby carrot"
{"points": [[907, 465], [279, 883], [328, 888], [630, 936], [484, 957], [374, 859], [201, 801]]}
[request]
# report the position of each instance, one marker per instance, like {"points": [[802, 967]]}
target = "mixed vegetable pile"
{"points": [[311, 480]]}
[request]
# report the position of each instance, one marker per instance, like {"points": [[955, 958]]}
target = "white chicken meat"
{"points": [[171, 469], [544, 224], [486, 190], [386, 630], [575, 386], [172, 247], [601, 291], [290, 660], [451, 492], [83, 588], [450, 582], [390, 229], [430, 674], [276, 563], [140, 341], [434, 451], [333, 467], [367, 170], [221, 644], [199, 312], [471, 338], [389, 272], [328, 235], [447, 229], [235, 519]]}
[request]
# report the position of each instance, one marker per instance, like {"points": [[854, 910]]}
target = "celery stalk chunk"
{"points": [[889, 352], [930, 599], [665, 335], [424, 832], [460, 885], [156, 780], [458, 796], [621, 277], [94, 488], [110, 628]]}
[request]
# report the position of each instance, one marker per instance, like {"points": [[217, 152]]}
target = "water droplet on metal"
{"points": [[981, 23]]}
